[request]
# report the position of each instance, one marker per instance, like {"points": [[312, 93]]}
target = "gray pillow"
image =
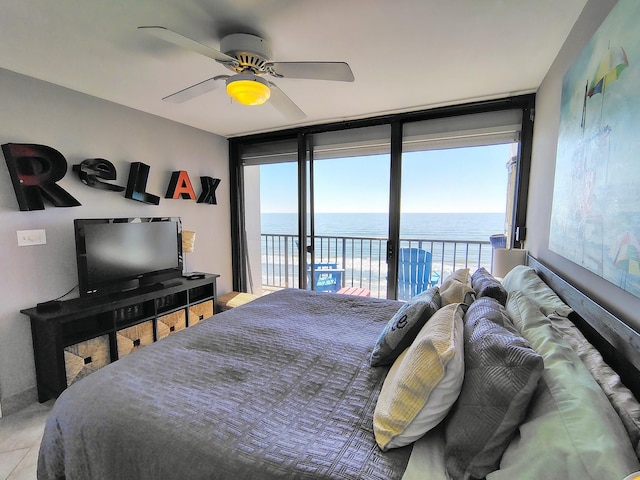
{"points": [[486, 285], [491, 309], [501, 375], [404, 326]]}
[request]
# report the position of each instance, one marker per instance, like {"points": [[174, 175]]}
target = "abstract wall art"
{"points": [[595, 217]]}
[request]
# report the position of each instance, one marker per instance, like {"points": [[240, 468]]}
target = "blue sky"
{"points": [[463, 180]]}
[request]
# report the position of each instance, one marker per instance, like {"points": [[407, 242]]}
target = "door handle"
{"points": [[390, 251]]}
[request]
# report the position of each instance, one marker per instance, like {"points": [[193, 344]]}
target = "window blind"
{"points": [[474, 130], [478, 129]]}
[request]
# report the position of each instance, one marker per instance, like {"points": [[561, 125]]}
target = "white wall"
{"points": [[253, 227], [543, 168], [81, 127]]}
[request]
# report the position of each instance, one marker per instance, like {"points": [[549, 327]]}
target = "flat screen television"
{"points": [[118, 254]]}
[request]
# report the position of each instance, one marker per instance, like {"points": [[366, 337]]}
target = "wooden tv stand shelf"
{"points": [[75, 337]]}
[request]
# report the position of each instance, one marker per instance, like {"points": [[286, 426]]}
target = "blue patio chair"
{"points": [[327, 277], [414, 272]]}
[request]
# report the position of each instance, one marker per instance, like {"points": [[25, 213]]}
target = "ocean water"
{"points": [[432, 226]]}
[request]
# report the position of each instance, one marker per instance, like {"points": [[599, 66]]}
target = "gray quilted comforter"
{"points": [[278, 388]]}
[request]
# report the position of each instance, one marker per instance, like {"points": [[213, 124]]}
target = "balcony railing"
{"points": [[363, 259]]}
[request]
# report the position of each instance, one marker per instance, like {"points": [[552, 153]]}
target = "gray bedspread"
{"points": [[278, 388]]}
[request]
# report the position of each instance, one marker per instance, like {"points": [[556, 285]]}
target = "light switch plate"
{"points": [[31, 237]]}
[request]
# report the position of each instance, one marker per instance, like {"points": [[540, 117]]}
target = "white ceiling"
{"points": [[405, 54]]}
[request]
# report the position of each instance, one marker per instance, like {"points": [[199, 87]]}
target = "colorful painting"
{"points": [[595, 218]]}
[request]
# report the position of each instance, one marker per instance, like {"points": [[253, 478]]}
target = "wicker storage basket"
{"points": [[86, 357], [200, 311], [133, 338], [171, 323]]}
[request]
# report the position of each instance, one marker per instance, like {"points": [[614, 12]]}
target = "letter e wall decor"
{"points": [[91, 169]]}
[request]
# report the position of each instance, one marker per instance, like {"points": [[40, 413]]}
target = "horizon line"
{"points": [[402, 213]]}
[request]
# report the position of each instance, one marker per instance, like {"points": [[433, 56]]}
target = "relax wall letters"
{"points": [[35, 169]]}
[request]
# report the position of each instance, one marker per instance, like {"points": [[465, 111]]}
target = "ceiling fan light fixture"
{"points": [[248, 89]]}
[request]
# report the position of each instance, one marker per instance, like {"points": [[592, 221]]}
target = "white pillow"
{"points": [[456, 288], [524, 279], [424, 381]]}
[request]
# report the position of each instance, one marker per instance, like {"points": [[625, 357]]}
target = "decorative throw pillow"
{"points": [[456, 288], [486, 285], [423, 383], [525, 279], [403, 327], [491, 309], [501, 375], [571, 430]]}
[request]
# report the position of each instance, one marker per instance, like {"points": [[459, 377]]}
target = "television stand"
{"points": [[81, 335]]}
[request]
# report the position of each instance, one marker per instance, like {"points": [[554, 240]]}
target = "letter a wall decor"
{"points": [[180, 186]]}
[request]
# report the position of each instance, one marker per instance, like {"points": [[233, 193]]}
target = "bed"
{"points": [[292, 385]]}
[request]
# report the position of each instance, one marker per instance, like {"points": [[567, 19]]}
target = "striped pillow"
{"points": [[423, 383]]}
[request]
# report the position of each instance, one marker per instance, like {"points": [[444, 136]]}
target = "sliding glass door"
{"points": [[271, 216], [455, 186], [348, 210]]}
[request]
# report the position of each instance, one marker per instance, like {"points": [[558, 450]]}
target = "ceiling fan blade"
{"points": [[284, 104], [337, 71], [184, 42], [195, 90]]}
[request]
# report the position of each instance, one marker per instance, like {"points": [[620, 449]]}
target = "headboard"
{"points": [[618, 343]]}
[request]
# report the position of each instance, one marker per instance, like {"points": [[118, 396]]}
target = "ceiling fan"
{"points": [[249, 58]]}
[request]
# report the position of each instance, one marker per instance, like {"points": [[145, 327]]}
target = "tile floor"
{"points": [[20, 435]]}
